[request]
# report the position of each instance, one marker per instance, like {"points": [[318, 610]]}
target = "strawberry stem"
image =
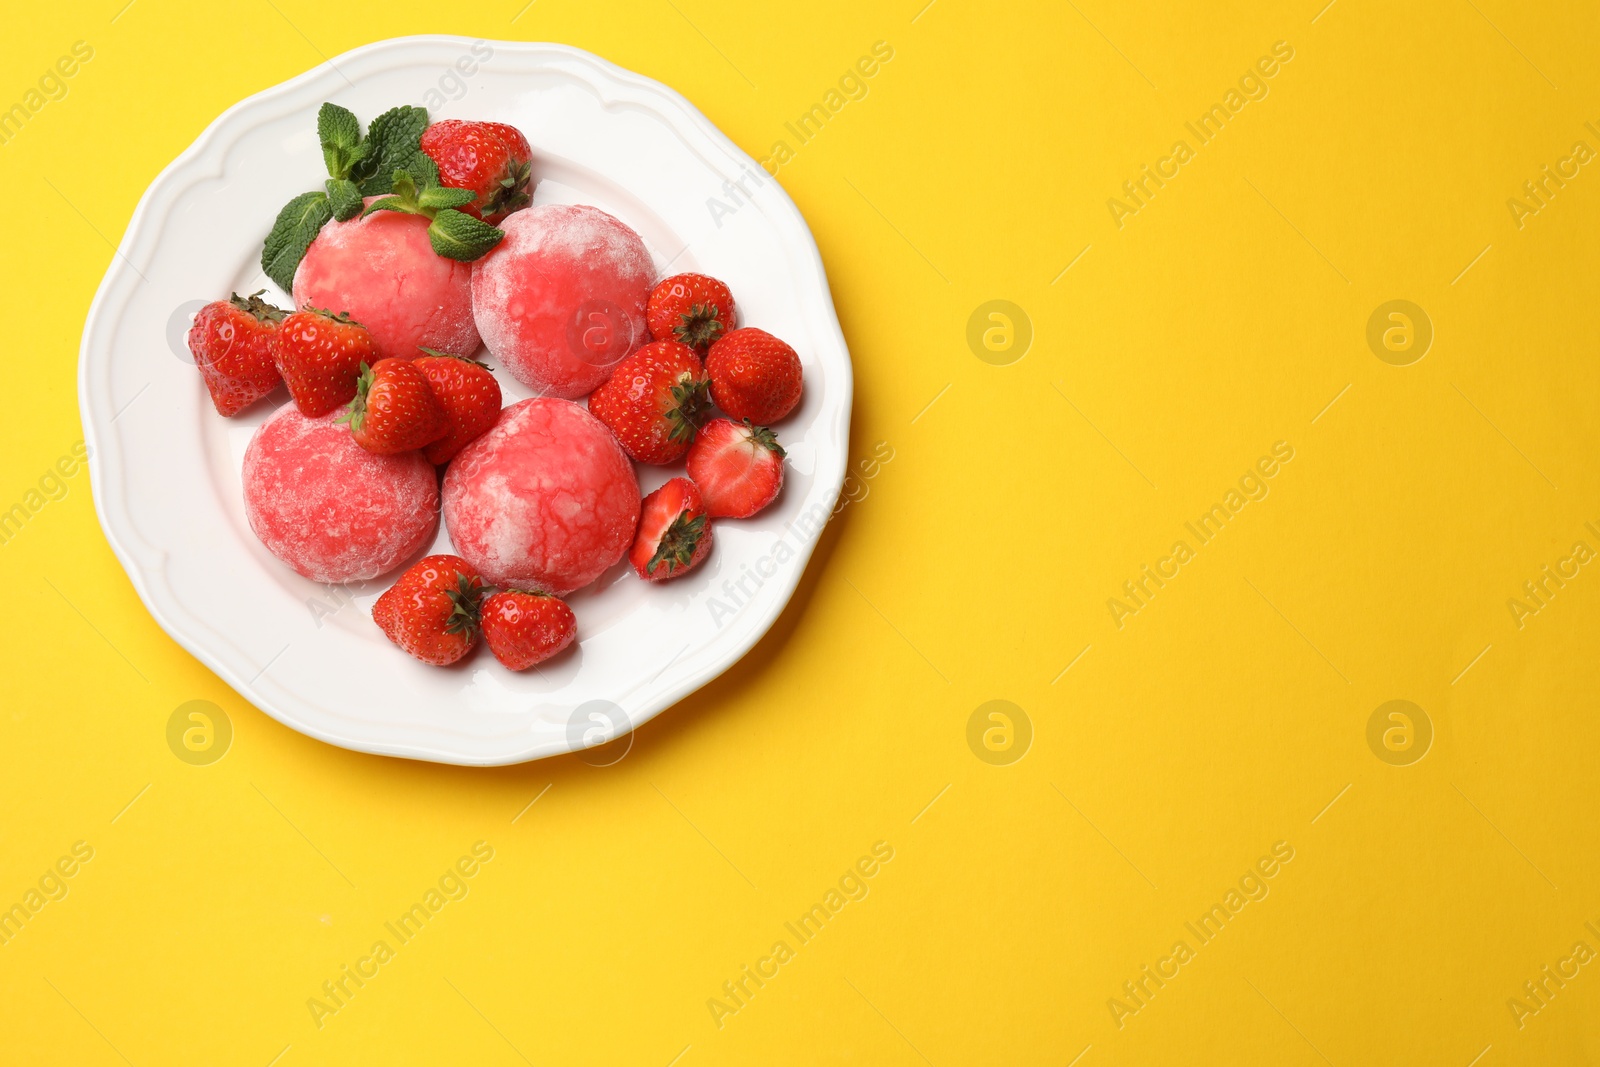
{"points": [[515, 190], [343, 317], [254, 305], [699, 326], [452, 355], [691, 400], [677, 545], [764, 437], [356, 411], [466, 601]]}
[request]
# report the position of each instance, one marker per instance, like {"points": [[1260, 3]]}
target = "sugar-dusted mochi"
{"points": [[546, 500], [562, 299], [382, 270], [329, 508]]}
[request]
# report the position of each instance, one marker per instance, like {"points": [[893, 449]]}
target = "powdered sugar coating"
{"points": [[329, 508], [562, 298], [546, 500], [382, 270]]}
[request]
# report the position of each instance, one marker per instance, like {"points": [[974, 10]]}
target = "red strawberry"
{"points": [[320, 357], [653, 401], [754, 376], [526, 628], [490, 158], [395, 409], [231, 344], [469, 395], [432, 611], [694, 309], [674, 532], [737, 468]]}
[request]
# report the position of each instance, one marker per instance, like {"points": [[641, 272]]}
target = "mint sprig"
{"points": [[357, 167], [453, 234]]}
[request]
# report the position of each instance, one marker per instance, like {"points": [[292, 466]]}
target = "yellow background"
{"points": [[1227, 715]]}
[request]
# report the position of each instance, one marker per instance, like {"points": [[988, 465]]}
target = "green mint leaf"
{"points": [[337, 125], [405, 187], [390, 203], [344, 198], [459, 236], [437, 196], [296, 226], [340, 134], [423, 166], [374, 184], [400, 127], [392, 139]]}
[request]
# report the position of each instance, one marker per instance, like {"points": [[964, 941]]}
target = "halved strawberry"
{"points": [[394, 410], [674, 532], [522, 629], [320, 355], [231, 342], [432, 611], [737, 467], [653, 401], [469, 395]]}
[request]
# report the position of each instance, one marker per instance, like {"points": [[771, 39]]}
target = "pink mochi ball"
{"points": [[562, 299], [329, 508], [382, 270], [546, 500]]}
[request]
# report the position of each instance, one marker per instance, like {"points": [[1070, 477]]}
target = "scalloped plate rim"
{"points": [[143, 562]]}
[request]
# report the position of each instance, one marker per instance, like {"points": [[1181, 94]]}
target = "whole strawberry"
{"points": [[522, 629], [754, 376], [432, 611], [674, 532], [319, 356], [653, 401], [692, 309], [394, 409], [489, 158], [469, 395], [231, 341], [737, 467]]}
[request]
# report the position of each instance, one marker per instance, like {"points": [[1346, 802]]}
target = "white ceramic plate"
{"points": [[166, 468]]}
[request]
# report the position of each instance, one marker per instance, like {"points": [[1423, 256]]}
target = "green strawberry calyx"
{"points": [[466, 602], [342, 318], [677, 545], [699, 326], [691, 400], [513, 192], [356, 411], [452, 355], [258, 308], [764, 437]]}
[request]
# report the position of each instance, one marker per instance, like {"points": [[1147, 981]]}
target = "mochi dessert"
{"points": [[384, 272], [329, 508], [545, 501], [562, 298]]}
